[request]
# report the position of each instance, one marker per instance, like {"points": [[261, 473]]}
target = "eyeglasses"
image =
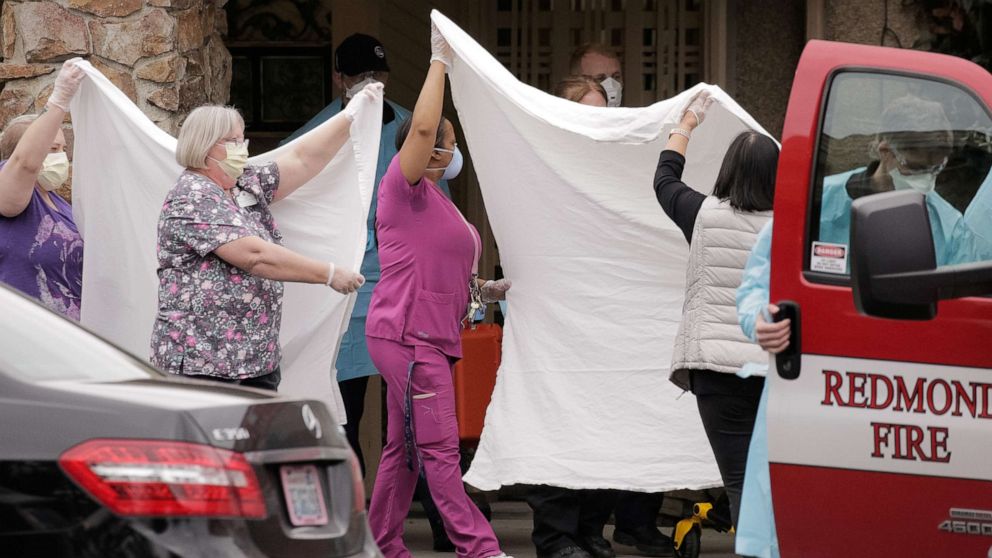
{"points": [[916, 169]]}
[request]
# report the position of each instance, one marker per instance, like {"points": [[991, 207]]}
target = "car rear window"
{"points": [[37, 345]]}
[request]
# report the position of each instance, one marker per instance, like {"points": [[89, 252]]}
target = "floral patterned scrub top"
{"points": [[213, 318]]}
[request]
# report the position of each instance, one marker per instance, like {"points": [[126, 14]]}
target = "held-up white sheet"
{"points": [[123, 167], [582, 397]]}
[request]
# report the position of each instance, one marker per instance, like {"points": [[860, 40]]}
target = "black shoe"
{"points": [[596, 546], [567, 552], [648, 540]]}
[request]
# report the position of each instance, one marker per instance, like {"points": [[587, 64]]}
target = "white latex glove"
{"points": [[345, 281], [368, 96], [495, 290], [695, 112], [439, 47], [66, 84]]}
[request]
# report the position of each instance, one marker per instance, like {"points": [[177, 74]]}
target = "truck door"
{"points": [[882, 445]]}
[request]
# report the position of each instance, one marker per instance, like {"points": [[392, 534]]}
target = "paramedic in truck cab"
{"points": [[911, 149]]}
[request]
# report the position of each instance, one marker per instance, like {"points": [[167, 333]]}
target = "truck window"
{"points": [[881, 132]]}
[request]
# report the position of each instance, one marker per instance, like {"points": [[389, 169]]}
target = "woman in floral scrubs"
{"points": [[220, 253]]}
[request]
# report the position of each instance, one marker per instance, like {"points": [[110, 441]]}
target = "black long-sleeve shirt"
{"points": [[680, 202]]}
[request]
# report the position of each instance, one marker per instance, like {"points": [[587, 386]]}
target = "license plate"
{"points": [[304, 496]]}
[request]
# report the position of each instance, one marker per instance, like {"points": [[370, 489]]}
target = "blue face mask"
{"points": [[454, 166]]}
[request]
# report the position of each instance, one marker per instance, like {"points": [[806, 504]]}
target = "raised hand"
{"points": [[67, 84], [440, 50], [369, 95], [695, 112]]}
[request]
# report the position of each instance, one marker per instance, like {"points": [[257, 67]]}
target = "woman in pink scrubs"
{"points": [[428, 253]]}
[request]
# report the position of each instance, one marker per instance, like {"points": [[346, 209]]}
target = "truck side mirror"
{"points": [[893, 261], [890, 233]]}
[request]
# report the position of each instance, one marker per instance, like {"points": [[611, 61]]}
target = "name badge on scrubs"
{"points": [[245, 199]]}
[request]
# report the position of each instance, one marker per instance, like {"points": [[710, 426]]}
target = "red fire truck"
{"points": [[880, 415]]}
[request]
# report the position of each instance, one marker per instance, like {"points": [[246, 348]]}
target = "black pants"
{"points": [[636, 510], [561, 515], [728, 406], [268, 381], [353, 396]]}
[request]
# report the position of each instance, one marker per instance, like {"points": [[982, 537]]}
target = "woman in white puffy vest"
{"points": [[721, 228]]}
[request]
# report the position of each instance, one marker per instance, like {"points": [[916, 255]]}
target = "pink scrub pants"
{"points": [[420, 388]]}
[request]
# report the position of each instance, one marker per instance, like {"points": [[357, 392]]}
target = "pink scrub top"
{"points": [[428, 252]]}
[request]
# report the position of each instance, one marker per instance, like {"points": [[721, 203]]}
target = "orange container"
{"points": [[475, 378]]}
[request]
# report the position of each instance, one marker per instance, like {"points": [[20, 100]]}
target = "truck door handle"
{"points": [[788, 361]]}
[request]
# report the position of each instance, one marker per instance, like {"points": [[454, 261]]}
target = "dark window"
{"points": [[280, 88]]}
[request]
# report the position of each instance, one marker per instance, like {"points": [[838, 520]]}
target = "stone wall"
{"points": [[168, 56]]}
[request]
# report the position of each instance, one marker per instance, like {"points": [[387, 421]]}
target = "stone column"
{"points": [[167, 56]]}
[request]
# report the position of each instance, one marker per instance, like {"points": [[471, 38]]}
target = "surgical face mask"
{"points": [[237, 159], [354, 89], [54, 171], [922, 183], [614, 91], [454, 166]]}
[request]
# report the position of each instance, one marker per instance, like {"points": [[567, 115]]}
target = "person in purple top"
{"points": [[41, 252], [221, 262], [428, 253]]}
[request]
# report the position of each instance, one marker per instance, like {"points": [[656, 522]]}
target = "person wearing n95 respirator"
{"points": [[600, 63], [42, 252], [911, 149], [220, 251], [54, 171]]}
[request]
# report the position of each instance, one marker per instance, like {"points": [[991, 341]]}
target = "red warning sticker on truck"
{"points": [[828, 258]]}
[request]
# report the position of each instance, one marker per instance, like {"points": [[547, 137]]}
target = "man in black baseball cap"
{"points": [[359, 60], [358, 54]]}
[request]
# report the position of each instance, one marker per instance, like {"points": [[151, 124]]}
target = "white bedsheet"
{"points": [[123, 167], [582, 398]]}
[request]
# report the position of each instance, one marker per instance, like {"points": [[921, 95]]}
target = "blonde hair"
{"points": [[204, 127], [574, 88], [12, 134]]}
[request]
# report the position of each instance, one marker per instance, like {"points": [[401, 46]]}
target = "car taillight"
{"points": [[164, 478], [357, 484]]}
